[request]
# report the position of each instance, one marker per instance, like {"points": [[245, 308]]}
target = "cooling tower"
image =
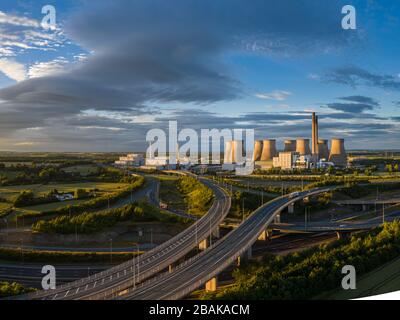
{"points": [[303, 146], [237, 150], [258, 145], [338, 153], [323, 150], [228, 153], [290, 145], [269, 150]]}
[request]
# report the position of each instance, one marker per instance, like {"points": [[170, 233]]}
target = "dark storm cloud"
{"points": [[354, 105], [350, 107], [355, 76], [157, 51], [361, 99]]}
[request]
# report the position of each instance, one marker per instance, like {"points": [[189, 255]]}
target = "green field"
{"points": [[381, 280], [9, 192], [83, 170]]}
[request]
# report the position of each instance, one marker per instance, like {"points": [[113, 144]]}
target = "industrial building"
{"points": [[131, 160], [318, 156]]}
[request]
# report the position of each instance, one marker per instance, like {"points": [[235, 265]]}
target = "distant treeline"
{"points": [[90, 222]]}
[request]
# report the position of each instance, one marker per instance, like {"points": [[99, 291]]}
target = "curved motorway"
{"points": [[105, 284], [196, 271]]}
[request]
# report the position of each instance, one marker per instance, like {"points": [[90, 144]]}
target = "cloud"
{"points": [[13, 69], [41, 69], [145, 56], [355, 76], [279, 95], [20, 34], [354, 104], [361, 99], [17, 21]]}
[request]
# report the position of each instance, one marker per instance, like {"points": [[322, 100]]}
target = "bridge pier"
{"points": [[364, 207], [245, 256], [203, 245], [216, 233], [291, 208], [264, 236], [277, 218], [211, 285], [341, 234]]}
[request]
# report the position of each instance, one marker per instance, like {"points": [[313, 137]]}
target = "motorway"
{"points": [[128, 274], [196, 271], [31, 275]]}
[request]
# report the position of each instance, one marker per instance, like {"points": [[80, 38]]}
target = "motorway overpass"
{"points": [[130, 273], [204, 267]]}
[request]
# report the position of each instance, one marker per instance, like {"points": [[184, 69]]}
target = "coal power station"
{"points": [[296, 154]]}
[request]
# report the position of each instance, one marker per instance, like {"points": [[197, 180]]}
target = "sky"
{"points": [[110, 71]]}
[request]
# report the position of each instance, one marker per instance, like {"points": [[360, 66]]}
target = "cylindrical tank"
{"points": [[323, 150], [303, 146], [228, 153], [338, 154], [268, 150], [237, 150], [258, 145], [290, 145]]}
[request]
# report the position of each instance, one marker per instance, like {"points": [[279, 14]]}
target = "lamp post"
{"points": [[305, 218], [22, 250], [6, 221], [383, 213], [138, 264], [111, 250], [133, 268]]}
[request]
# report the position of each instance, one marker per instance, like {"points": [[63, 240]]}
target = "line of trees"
{"points": [[92, 204], [11, 254], [12, 289], [198, 197], [90, 222]]}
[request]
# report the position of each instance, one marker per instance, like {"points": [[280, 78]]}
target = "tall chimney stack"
{"points": [[314, 144]]}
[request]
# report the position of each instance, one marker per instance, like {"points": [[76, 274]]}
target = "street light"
{"points": [[133, 267], [111, 250], [138, 264], [305, 218], [6, 221], [22, 250]]}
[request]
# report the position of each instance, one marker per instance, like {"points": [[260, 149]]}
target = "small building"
{"points": [[286, 160], [304, 162], [160, 163], [131, 160]]}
